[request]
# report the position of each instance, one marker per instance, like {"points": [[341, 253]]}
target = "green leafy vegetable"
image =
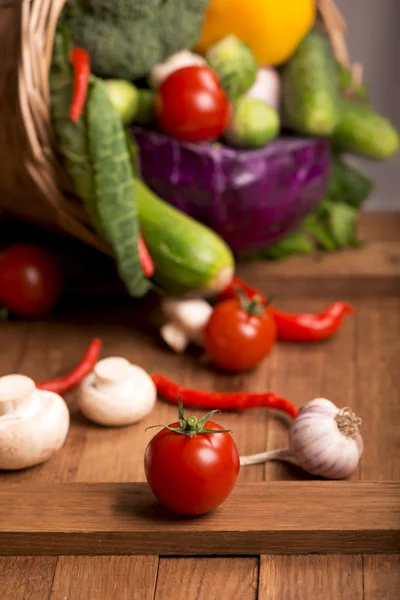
{"points": [[316, 226], [343, 224], [97, 158], [295, 243], [115, 192], [347, 184]]}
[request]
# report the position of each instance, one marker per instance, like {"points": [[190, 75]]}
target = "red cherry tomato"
{"points": [[192, 106], [192, 475], [30, 282], [239, 334]]}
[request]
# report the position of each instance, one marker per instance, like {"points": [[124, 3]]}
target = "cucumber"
{"points": [[310, 87], [361, 130], [188, 256]]}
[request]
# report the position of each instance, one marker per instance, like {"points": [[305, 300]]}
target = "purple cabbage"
{"points": [[251, 198]]}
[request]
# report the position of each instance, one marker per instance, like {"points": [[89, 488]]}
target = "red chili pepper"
{"points": [[146, 262], [72, 379], [170, 391], [298, 327], [81, 63], [309, 327]]}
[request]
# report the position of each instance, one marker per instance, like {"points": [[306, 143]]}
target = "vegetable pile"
{"points": [[233, 117]]}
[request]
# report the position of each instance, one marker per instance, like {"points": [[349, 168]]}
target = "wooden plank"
{"points": [[207, 578], [378, 387], [12, 346], [381, 577], [105, 578], [372, 271], [311, 578], [280, 517], [26, 577]]}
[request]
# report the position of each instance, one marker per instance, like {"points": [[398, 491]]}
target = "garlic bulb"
{"points": [[323, 440], [116, 393], [33, 423]]}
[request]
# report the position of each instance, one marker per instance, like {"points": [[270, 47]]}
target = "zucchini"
{"points": [[187, 255]]}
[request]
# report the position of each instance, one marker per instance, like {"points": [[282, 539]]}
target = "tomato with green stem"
{"points": [[192, 465], [30, 281], [239, 333]]}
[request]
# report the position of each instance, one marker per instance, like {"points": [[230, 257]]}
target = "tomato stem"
{"points": [[192, 425]]}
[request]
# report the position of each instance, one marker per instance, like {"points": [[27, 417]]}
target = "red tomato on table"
{"points": [[192, 473], [30, 282], [239, 334], [192, 106]]}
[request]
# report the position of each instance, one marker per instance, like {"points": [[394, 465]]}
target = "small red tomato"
{"points": [[30, 282], [239, 334], [193, 466], [192, 106]]}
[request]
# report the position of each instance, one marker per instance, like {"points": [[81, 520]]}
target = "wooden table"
{"points": [[358, 368]]}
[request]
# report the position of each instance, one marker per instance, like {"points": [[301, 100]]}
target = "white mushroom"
{"points": [[187, 320], [33, 423], [116, 393]]}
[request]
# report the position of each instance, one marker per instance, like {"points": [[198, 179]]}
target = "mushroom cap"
{"points": [[117, 402], [31, 437]]}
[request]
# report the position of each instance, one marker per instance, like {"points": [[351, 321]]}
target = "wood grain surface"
{"points": [[126, 519], [359, 367]]}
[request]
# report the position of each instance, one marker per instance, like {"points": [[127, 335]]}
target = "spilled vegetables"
{"points": [[323, 440], [241, 329], [192, 465]]}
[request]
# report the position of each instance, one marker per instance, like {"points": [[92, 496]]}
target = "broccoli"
{"points": [[126, 38]]}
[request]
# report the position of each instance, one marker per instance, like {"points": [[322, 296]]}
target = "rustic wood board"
{"points": [[359, 367], [279, 518]]}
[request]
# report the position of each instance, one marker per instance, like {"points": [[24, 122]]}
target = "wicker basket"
{"points": [[33, 185]]}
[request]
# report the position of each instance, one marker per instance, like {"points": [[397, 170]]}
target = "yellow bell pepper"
{"points": [[272, 28]]}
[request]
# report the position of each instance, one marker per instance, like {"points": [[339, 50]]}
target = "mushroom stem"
{"points": [[188, 318], [16, 392]]}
